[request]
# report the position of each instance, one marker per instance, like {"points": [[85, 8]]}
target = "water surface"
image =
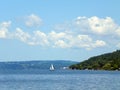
{"points": [[60, 80]]}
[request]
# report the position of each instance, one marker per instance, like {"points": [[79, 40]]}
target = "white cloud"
{"points": [[95, 25], [21, 35], [69, 40], [58, 40], [5, 24], [40, 38], [81, 22], [85, 41], [84, 38], [55, 36], [102, 25], [33, 20], [82, 32], [118, 31], [61, 44], [4, 29], [3, 33], [99, 32], [37, 38], [99, 43]]}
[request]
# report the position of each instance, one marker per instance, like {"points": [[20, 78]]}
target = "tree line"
{"points": [[108, 61]]}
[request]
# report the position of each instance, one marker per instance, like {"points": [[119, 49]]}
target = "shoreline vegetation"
{"points": [[107, 61]]}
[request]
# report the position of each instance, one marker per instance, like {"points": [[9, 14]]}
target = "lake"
{"points": [[60, 80]]}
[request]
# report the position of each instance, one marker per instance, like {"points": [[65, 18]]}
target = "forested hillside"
{"points": [[108, 61]]}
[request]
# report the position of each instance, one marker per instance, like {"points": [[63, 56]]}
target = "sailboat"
{"points": [[52, 67]]}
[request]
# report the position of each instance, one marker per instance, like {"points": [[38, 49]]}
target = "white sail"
{"points": [[52, 67]]}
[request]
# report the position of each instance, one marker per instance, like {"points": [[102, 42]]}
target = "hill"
{"points": [[30, 65], [108, 61]]}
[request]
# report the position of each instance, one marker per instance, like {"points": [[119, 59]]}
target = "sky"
{"points": [[58, 29]]}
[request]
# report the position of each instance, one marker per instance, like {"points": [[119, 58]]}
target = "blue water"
{"points": [[61, 80]]}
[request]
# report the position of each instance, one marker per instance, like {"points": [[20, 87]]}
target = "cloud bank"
{"points": [[81, 32]]}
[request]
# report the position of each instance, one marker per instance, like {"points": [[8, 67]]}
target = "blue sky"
{"points": [[58, 29]]}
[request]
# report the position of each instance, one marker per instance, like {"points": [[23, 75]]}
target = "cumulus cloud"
{"points": [[99, 43], [37, 38], [65, 40], [58, 39], [102, 25], [33, 20], [4, 29], [95, 25], [61, 44], [20, 34], [55, 36], [40, 38], [85, 41], [82, 32]]}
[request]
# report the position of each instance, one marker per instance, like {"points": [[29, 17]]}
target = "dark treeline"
{"points": [[108, 61]]}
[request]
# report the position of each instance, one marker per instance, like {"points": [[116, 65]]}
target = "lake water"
{"points": [[61, 80]]}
